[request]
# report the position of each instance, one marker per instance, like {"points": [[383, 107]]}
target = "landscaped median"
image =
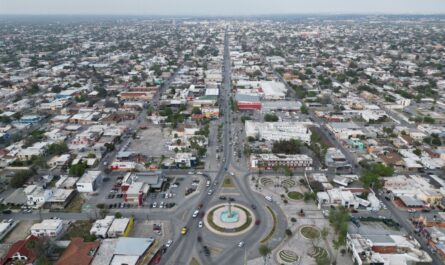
{"points": [[274, 226], [295, 195]]}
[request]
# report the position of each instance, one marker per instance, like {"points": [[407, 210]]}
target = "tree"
{"points": [[339, 219], [291, 146], [324, 232], [57, 148], [288, 232], [20, 178], [264, 251], [270, 117], [304, 109], [196, 110], [118, 215], [78, 169]]}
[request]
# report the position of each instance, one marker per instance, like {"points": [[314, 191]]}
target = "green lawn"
{"points": [[295, 195], [228, 182]]}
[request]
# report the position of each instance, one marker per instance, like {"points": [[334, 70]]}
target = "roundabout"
{"points": [[229, 219]]}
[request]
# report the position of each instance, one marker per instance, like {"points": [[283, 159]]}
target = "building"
{"points": [[20, 252], [136, 193], [37, 196], [78, 252], [276, 131], [33, 151], [131, 250], [89, 182], [47, 228], [185, 160], [120, 227], [248, 102], [101, 226], [270, 161], [336, 159]]}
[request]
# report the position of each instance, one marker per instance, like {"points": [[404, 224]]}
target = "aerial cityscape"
{"points": [[311, 139]]}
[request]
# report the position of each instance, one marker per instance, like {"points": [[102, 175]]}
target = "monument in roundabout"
{"points": [[229, 219]]}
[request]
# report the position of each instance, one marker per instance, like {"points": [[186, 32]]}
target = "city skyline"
{"points": [[220, 8]]}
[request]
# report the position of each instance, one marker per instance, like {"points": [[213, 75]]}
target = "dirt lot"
{"points": [[151, 142], [19, 232]]}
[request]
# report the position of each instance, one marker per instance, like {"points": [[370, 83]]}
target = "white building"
{"points": [[89, 182], [119, 227], [275, 131], [101, 226], [48, 227], [36, 196]]}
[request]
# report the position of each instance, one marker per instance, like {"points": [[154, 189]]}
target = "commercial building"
{"points": [[120, 227], [269, 161], [123, 250], [275, 131]]}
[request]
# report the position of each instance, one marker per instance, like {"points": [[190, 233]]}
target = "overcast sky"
{"points": [[219, 7]]}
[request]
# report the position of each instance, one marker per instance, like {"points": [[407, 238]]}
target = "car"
{"points": [[190, 173], [200, 224], [7, 211], [268, 198], [169, 243], [155, 204], [241, 244], [208, 183], [257, 222], [199, 173], [161, 205], [206, 250], [195, 213], [253, 206], [231, 199], [210, 192], [223, 198], [184, 231], [411, 210]]}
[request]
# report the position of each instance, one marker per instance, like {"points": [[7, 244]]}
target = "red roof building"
{"points": [[20, 252], [78, 252]]}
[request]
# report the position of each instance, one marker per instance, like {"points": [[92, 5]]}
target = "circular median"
{"points": [[231, 221]]}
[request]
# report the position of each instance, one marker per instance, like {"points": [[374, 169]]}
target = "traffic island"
{"points": [[287, 257], [229, 219]]}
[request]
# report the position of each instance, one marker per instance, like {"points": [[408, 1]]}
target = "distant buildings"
{"points": [[275, 131]]}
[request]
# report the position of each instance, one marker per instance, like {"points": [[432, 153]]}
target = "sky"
{"points": [[219, 7]]}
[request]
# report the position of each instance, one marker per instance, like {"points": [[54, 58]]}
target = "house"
{"points": [[37, 196], [35, 150], [78, 252], [47, 228], [20, 251], [90, 181]]}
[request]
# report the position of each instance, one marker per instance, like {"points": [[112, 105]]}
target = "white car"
{"points": [[199, 173], [268, 198], [200, 224], [155, 204], [190, 173], [169, 243], [241, 244], [210, 192], [195, 213]]}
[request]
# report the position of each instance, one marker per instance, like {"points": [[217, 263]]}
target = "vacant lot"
{"points": [[152, 142]]}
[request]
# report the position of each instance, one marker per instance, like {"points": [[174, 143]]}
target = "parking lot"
{"points": [[176, 190]]}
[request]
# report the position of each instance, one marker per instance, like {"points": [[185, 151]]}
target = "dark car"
{"points": [[6, 211], [253, 206], [206, 250], [257, 222], [231, 199], [222, 197]]}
